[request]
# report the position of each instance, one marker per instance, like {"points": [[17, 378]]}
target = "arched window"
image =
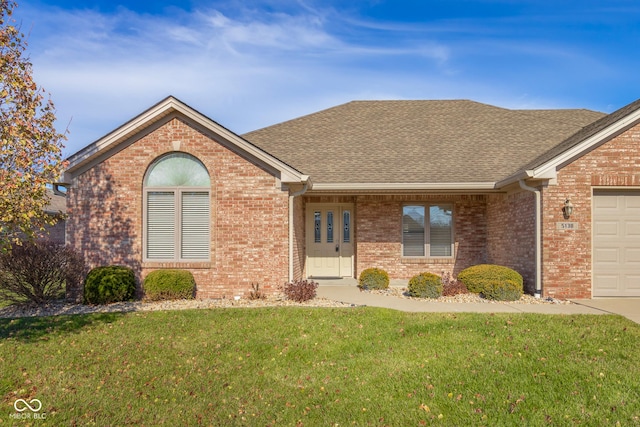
{"points": [[177, 218]]}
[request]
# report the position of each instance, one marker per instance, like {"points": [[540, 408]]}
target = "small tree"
{"points": [[30, 146], [38, 272]]}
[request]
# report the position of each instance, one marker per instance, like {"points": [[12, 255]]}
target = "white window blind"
{"points": [[161, 220], [440, 233], [413, 231], [195, 225], [430, 235]]}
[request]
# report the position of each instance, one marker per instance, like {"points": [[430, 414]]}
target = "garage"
{"points": [[616, 243]]}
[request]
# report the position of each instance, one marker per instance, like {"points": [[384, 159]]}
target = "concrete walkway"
{"points": [[347, 291]]}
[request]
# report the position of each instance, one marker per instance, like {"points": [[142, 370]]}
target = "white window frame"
{"points": [[203, 236], [427, 231]]}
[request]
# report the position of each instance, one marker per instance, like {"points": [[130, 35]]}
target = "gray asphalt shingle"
{"points": [[418, 141]]}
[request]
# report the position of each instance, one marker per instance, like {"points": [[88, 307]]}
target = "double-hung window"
{"points": [[427, 231], [177, 217]]}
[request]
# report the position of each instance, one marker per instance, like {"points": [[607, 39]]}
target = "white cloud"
{"points": [[251, 70], [248, 68]]}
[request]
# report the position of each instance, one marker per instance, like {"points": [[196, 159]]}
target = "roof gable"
{"points": [[588, 138], [165, 110]]}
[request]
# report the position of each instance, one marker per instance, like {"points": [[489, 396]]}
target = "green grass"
{"points": [[322, 367]]}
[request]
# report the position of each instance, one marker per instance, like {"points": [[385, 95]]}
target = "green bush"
{"points": [[105, 285], [168, 285], [475, 278], [373, 278], [425, 285], [502, 290]]}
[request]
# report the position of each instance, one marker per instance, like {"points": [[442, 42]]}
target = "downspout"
{"points": [[291, 197], [538, 290]]}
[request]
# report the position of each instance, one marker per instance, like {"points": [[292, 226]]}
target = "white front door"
{"points": [[329, 240]]}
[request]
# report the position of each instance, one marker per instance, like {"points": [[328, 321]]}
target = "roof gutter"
{"points": [[524, 186]]}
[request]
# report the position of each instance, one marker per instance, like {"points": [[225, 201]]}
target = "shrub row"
{"points": [[38, 272], [110, 284], [490, 281], [41, 271]]}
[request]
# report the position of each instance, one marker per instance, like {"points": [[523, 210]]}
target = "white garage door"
{"points": [[616, 244]]}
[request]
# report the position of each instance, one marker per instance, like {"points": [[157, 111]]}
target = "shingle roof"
{"points": [[584, 133], [57, 203], [456, 141]]}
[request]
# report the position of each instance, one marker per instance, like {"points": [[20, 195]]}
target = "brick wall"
{"points": [[249, 215], [379, 234], [511, 234], [567, 253]]}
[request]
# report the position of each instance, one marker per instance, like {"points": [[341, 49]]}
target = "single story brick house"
{"points": [[407, 186]]}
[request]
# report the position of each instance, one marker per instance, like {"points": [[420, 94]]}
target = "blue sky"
{"points": [[250, 63]]}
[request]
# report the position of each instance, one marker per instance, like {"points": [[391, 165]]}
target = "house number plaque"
{"points": [[567, 225]]}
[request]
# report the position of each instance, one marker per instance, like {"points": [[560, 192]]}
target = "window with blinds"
{"points": [[161, 225], [440, 241], [413, 241], [427, 231], [178, 210], [195, 225]]}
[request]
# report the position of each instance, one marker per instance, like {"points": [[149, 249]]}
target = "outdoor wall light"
{"points": [[567, 209]]}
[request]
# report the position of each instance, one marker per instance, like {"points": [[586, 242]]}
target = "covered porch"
{"points": [[338, 236]]}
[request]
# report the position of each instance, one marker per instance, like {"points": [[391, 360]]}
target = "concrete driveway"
{"points": [[627, 307]]}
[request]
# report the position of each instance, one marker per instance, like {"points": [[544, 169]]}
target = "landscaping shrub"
{"points": [[451, 286], [502, 290], [373, 278], [39, 272], [425, 285], [256, 293], [168, 285], [105, 285], [300, 290], [477, 276]]}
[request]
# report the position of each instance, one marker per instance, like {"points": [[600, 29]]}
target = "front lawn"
{"points": [[320, 367]]}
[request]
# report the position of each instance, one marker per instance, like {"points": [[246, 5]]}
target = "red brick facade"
{"points": [[249, 215], [511, 233], [379, 235], [566, 254]]}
